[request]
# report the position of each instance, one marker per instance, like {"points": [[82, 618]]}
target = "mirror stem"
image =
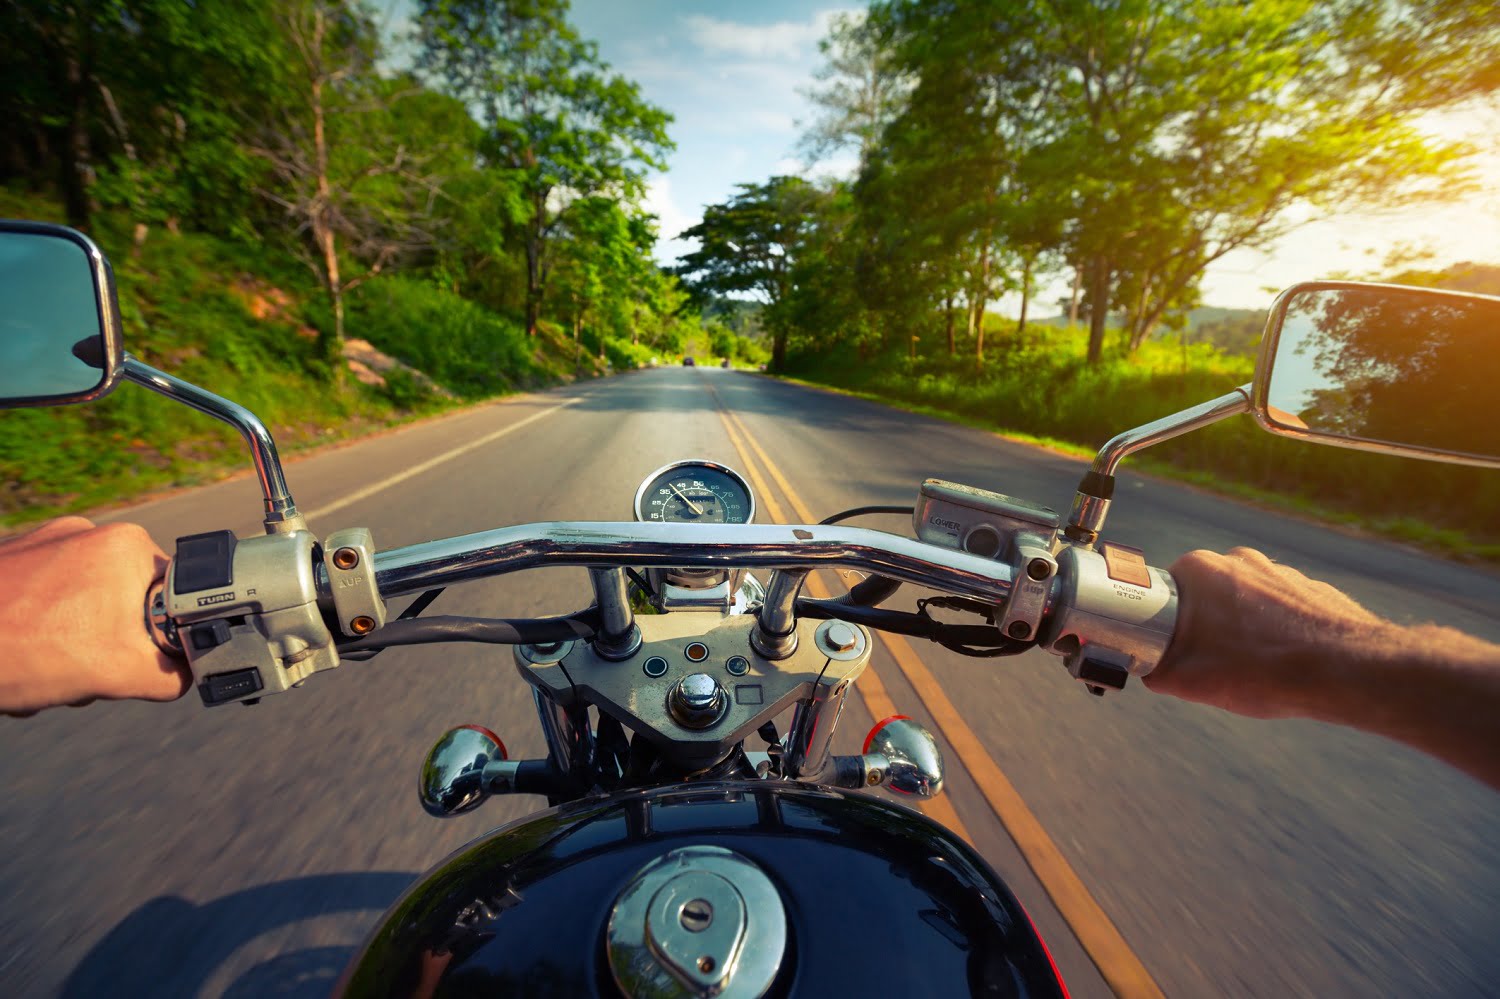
{"points": [[1091, 504], [281, 513]]}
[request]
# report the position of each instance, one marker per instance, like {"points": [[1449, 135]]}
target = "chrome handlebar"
{"points": [[432, 564]]}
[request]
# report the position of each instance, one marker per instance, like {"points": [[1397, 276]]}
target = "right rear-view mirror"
{"points": [[1411, 371], [59, 319]]}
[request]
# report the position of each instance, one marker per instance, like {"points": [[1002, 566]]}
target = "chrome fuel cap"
{"points": [[699, 921]]}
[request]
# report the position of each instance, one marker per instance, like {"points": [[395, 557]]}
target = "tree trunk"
{"points": [[1025, 293], [577, 343], [980, 303], [1073, 301], [778, 351], [534, 278], [533, 296], [948, 317], [1098, 305], [322, 228], [75, 159]]}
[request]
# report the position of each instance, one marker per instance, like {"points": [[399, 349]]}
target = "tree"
{"points": [[136, 103], [752, 244], [553, 116], [1170, 134], [339, 169], [861, 89]]}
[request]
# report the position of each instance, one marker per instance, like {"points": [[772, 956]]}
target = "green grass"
{"points": [[1038, 388], [241, 322]]}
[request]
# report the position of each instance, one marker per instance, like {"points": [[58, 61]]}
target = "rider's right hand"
{"points": [[1263, 640], [72, 625], [1251, 634]]}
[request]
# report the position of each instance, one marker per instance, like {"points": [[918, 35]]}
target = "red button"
{"points": [[697, 652]]}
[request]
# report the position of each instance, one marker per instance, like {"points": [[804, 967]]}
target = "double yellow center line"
{"points": [[1117, 963]]}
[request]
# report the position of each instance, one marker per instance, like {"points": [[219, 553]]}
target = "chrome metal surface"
{"points": [[1088, 512], [641, 701], [809, 742], [749, 595], [1193, 418], [697, 701], [640, 493], [618, 637], [1113, 621], [1259, 389], [698, 921], [106, 298], [550, 653], [281, 513], [159, 623], [841, 640], [452, 779], [776, 635], [913, 763], [565, 744], [772, 546]]}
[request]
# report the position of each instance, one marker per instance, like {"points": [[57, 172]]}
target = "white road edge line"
{"points": [[431, 463]]}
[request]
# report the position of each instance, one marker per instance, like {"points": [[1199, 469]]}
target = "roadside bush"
{"points": [[462, 345], [1039, 384]]}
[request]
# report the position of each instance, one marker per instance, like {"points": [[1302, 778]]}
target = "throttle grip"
{"points": [[1113, 615]]}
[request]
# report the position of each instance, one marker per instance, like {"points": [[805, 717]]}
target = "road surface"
{"points": [[171, 850]]}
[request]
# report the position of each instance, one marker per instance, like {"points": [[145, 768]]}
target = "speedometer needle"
{"points": [[695, 507]]}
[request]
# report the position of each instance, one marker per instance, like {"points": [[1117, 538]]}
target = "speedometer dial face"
{"points": [[695, 492]]}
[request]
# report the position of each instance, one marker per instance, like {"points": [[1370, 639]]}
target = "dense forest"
{"points": [[293, 193], [1119, 150], [284, 207]]}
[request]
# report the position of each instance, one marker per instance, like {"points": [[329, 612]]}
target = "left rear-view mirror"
{"points": [[59, 317], [1410, 371]]}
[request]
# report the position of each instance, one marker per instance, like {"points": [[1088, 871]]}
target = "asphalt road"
{"points": [[170, 850]]}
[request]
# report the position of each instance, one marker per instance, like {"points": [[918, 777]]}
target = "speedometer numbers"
{"points": [[695, 492]]}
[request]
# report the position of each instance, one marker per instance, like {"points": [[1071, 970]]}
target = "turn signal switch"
{"points": [[898, 754], [469, 763]]}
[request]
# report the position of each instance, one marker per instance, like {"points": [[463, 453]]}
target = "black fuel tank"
{"points": [[878, 900]]}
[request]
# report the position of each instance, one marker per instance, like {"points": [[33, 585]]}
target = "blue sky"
{"points": [[732, 73]]}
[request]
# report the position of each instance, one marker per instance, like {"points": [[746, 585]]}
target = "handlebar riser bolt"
{"points": [[346, 558], [1019, 630], [362, 625], [1038, 569], [874, 777]]}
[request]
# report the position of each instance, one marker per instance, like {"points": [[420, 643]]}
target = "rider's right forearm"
{"points": [[1432, 688]]}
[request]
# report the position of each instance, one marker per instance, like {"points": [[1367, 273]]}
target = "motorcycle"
{"points": [[674, 858]]}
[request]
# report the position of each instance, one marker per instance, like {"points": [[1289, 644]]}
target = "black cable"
{"points": [[640, 581], [420, 604], [913, 625], [486, 630], [861, 511], [871, 591]]}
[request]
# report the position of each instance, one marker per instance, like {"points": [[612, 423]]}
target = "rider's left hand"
{"points": [[72, 625]]}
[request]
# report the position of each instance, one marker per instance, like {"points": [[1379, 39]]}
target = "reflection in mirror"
{"points": [[1408, 368], [52, 342]]}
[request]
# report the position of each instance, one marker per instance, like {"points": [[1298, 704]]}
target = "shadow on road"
{"points": [[170, 946]]}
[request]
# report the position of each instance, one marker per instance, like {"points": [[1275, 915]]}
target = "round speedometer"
{"points": [[695, 492]]}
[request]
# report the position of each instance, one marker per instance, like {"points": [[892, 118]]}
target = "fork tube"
{"points": [[775, 636], [618, 637]]}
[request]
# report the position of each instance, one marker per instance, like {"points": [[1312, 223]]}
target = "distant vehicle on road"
{"points": [[688, 362]]}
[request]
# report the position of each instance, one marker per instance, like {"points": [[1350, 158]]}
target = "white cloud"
{"points": [[671, 219], [783, 40]]}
